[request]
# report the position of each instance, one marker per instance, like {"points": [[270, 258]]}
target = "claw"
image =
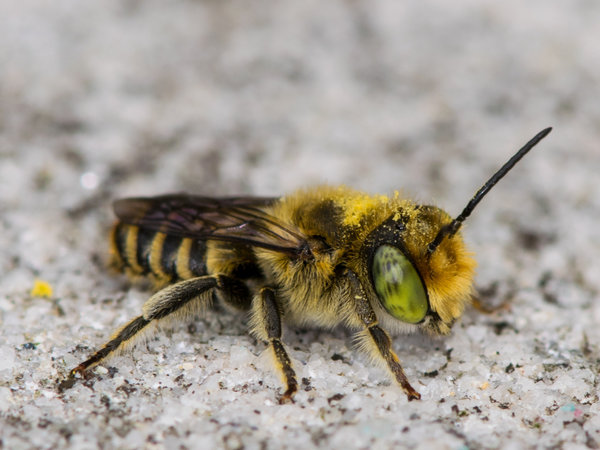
{"points": [[288, 396]]}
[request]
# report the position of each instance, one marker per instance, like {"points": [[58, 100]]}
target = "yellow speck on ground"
{"points": [[41, 288]]}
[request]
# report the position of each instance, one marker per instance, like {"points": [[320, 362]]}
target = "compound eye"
{"points": [[398, 285]]}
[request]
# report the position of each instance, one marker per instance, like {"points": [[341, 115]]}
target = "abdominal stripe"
{"points": [[168, 257]]}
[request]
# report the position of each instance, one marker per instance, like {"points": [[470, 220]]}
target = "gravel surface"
{"points": [[105, 99]]}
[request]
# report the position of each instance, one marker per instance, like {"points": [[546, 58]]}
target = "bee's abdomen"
{"points": [[147, 252]]}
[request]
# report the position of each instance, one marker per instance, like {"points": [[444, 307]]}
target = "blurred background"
{"points": [[106, 99]]}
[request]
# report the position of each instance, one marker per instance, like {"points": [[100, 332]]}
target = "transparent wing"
{"points": [[233, 219]]}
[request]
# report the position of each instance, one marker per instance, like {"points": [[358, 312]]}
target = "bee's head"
{"points": [[413, 287], [420, 269]]}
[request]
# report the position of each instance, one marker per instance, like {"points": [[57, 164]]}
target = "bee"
{"points": [[323, 257]]}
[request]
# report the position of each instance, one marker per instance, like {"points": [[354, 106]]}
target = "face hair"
{"points": [[451, 228]]}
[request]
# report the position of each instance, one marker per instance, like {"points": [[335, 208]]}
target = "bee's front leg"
{"points": [[376, 339], [266, 324]]}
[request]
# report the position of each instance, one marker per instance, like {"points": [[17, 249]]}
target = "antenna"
{"points": [[451, 228]]}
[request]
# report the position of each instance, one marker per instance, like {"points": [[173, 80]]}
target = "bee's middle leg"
{"points": [[266, 322]]}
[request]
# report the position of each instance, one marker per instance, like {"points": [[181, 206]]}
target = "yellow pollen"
{"points": [[41, 288]]}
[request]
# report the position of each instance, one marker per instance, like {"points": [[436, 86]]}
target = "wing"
{"points": [[231, 219]]}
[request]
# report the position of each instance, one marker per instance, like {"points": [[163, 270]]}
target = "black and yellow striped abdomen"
{"points": [[164, 257]]}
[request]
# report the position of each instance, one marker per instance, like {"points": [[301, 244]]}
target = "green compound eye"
{"points": [[398, 285]]}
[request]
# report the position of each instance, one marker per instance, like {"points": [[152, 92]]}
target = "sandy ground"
{"points": [[105, 99]]}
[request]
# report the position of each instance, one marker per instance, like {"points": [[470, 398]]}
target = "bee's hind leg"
{"points": [[266, 321], [167, 301]]}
